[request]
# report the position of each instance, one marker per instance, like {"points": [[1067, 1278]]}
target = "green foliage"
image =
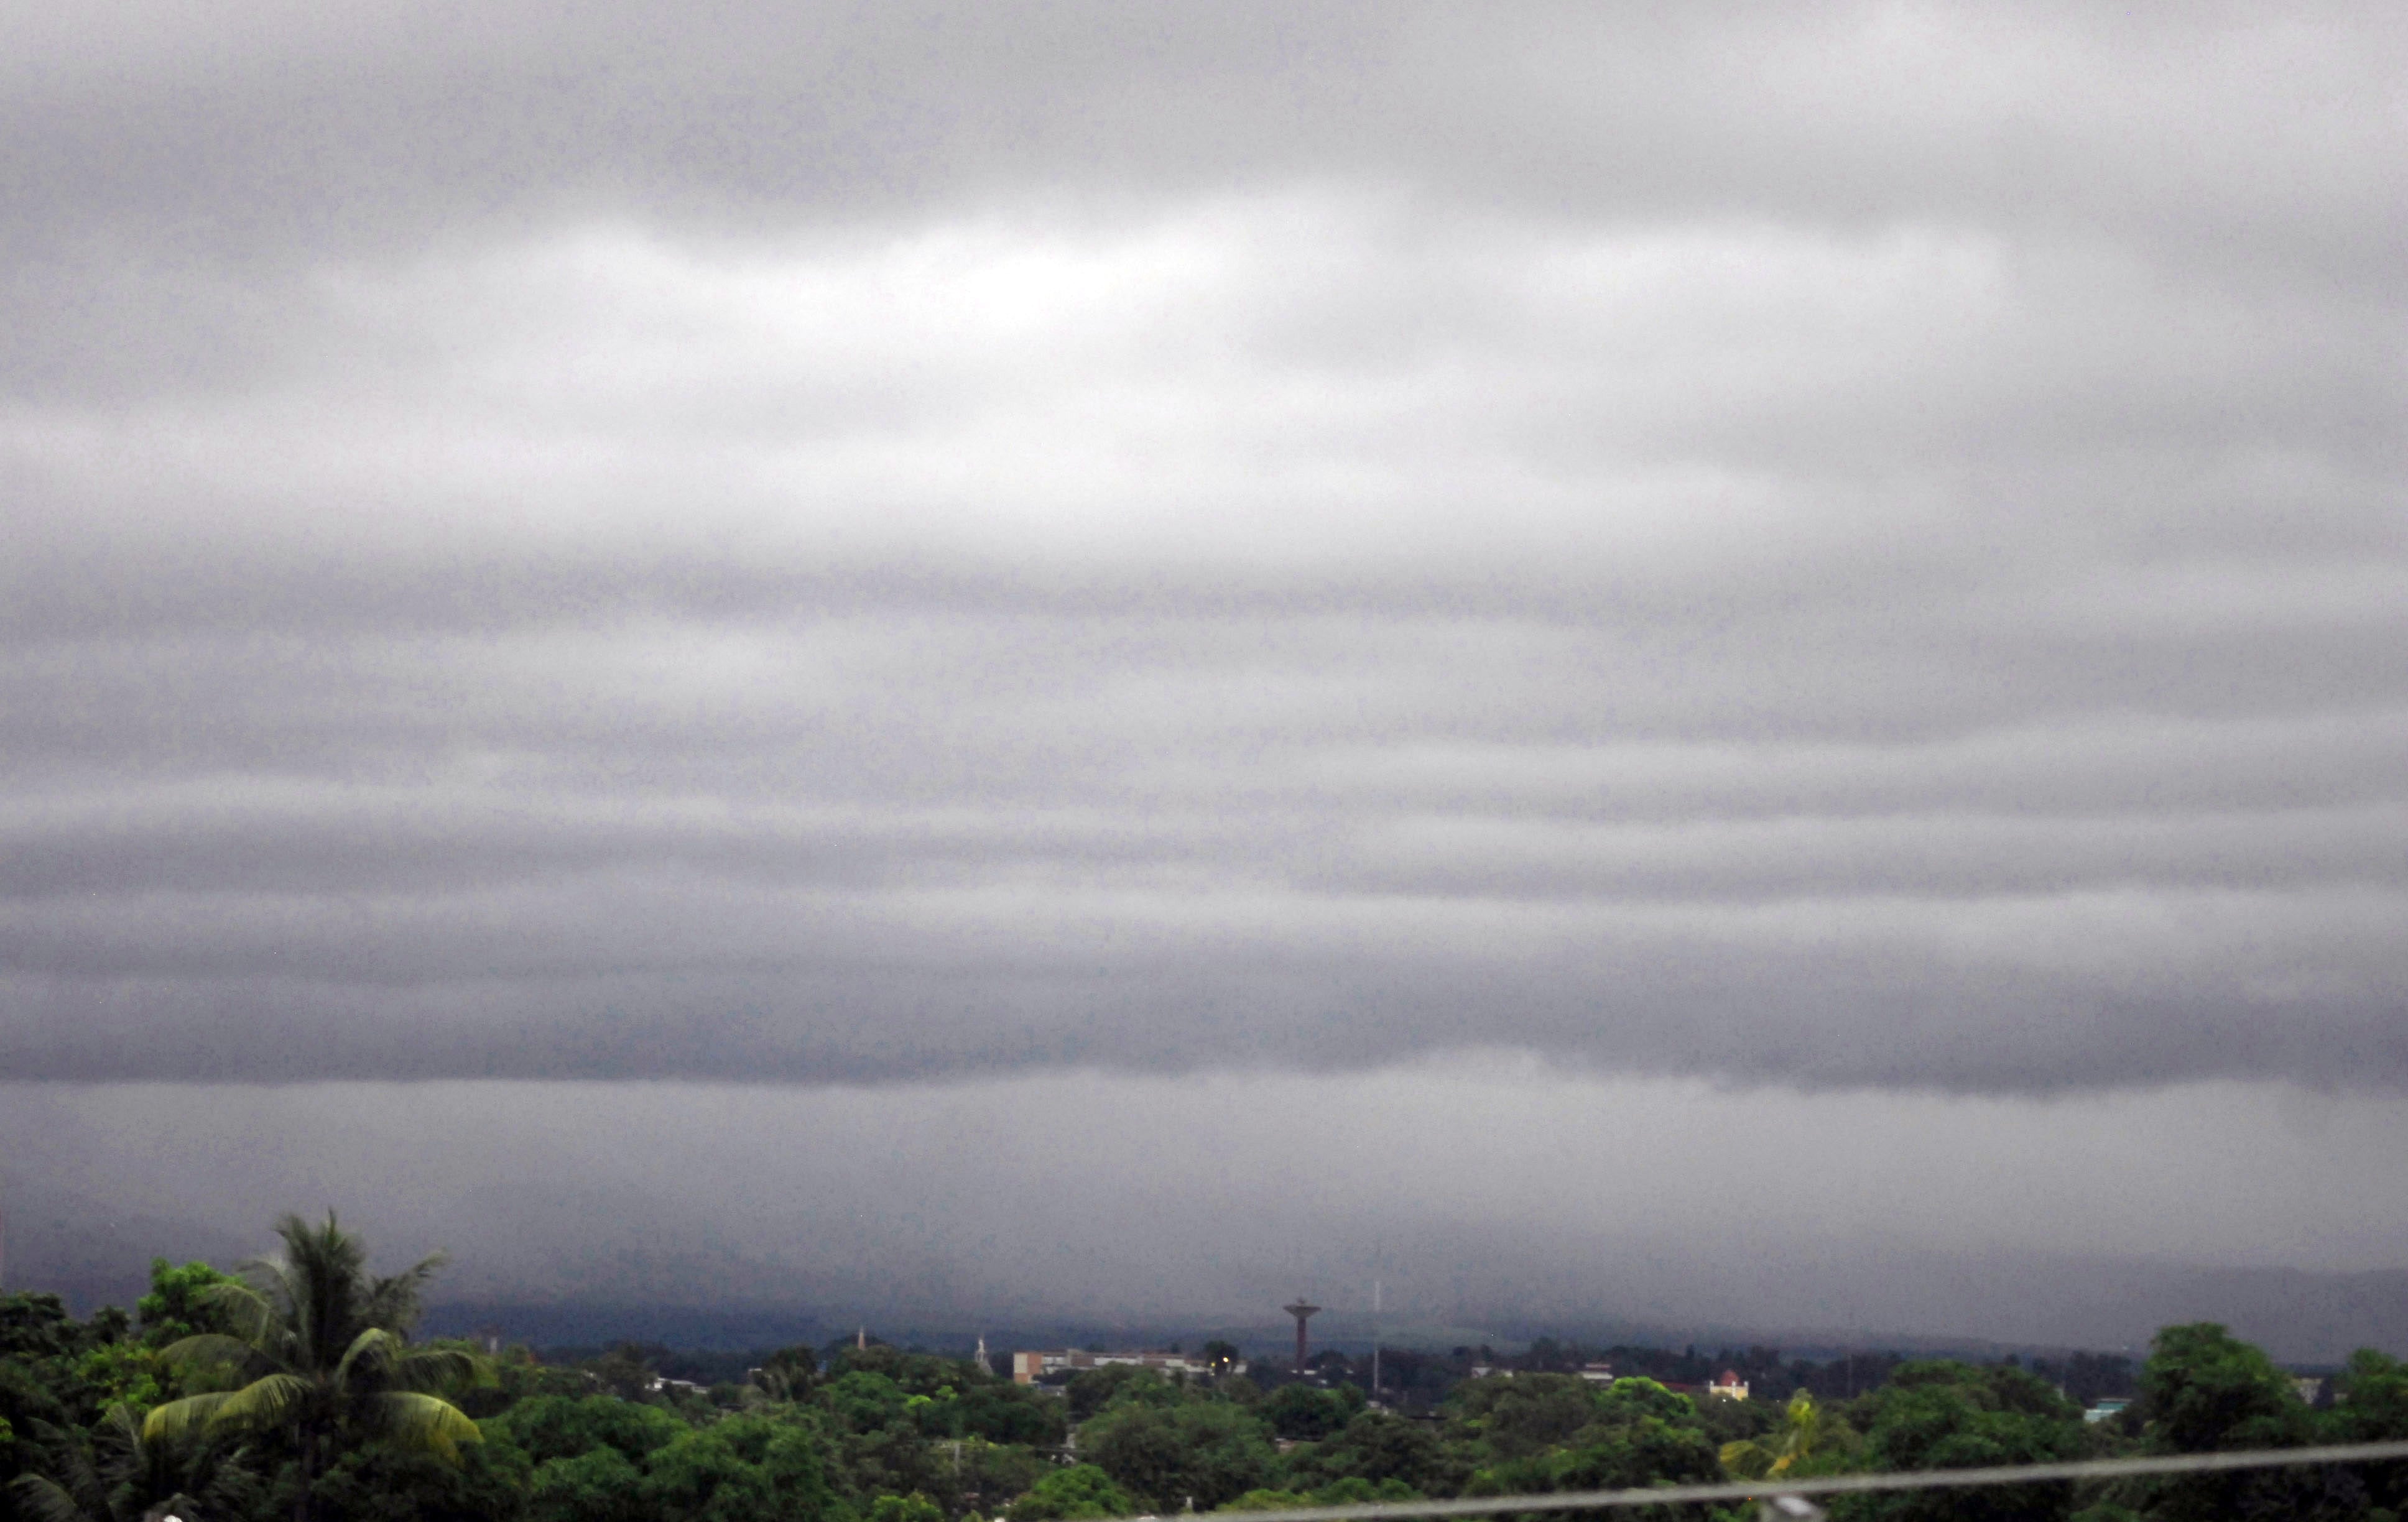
{"points": [[865, 1401], [1512, 1418], [2373, 1405], [318, 1351], [180, 1303], [1737, 1421], [914, 1507], [737, 1470], [2373, 1408], [1350, 1493], [1212, 1451], [295, 1389], [1378, 1449], [2207, 1391], [598, 1485], [25, 1402], [552, 1426], [126, 1373], [1001, 1412], [913, 1374], [1080, 1490], [788, 1374], [1954, 1415], [1649, 1451], [987, 1477], [37, 1326], [380, 1483], [624, 1370], [1267, 1500], [1809, 1439], [1636, 1434], [513, 1378], [1299, 1411], [1091, 1391], [1629, 1399], [110, 1474]]}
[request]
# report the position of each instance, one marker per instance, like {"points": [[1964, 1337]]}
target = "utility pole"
{"points": [[1375, 1342]]}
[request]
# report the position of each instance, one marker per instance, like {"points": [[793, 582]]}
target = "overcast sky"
{"points": [[1844, 560]]}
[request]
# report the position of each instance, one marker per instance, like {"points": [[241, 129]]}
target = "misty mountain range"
{"points": [[1994, 1301]]}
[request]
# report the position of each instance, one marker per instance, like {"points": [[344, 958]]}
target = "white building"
{"points": [[1029, 1368]]}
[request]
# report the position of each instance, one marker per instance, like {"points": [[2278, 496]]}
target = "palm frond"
{"points": [[271, 1400], [439, 1369], [233, 1297], [1748, 1460], [121, 1426], [392, 1300], [285, 1296], [249, 1312], [212, 1352], [69, 1458], [178, 1420], [41, 1499], [325, 1282], [424, 1422], [371, 1354], [228, 1486]]}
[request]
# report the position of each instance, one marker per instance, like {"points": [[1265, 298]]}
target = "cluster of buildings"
{"points": [[1029, 1368]]}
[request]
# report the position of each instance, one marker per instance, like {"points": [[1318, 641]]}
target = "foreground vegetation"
{"points": [[295, 1391]]}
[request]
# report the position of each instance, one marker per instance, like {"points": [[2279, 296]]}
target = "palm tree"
{"points": [[319, 1349], [119, 1477], [1792, 1444]]}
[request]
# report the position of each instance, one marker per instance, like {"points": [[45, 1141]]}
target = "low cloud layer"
{"points": [[1854, 552], [1481, 1192]]}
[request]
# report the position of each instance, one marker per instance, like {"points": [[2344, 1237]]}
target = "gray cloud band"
{"points": [[1086, 545]]}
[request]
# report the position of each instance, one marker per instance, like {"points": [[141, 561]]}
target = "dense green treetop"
{"points": [[1305, 1411], [1080, 1490], [1207, 1451], [1946, 1414]]}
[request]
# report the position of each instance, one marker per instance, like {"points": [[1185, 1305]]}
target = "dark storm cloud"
{"points": [[1852, 549]]}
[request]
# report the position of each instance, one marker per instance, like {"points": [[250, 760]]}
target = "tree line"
{"points": [[295, 1391]]}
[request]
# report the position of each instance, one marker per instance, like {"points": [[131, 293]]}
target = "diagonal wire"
{"points": [[1840, 1485]]}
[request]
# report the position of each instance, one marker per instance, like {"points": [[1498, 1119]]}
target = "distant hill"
{"points": [[94, 1253]]}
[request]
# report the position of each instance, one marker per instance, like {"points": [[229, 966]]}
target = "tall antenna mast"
{"points": [[1375, 1342]]}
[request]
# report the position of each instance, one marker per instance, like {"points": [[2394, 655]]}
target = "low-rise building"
{"points": [[1729, 1385], [1030, 1367]]}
